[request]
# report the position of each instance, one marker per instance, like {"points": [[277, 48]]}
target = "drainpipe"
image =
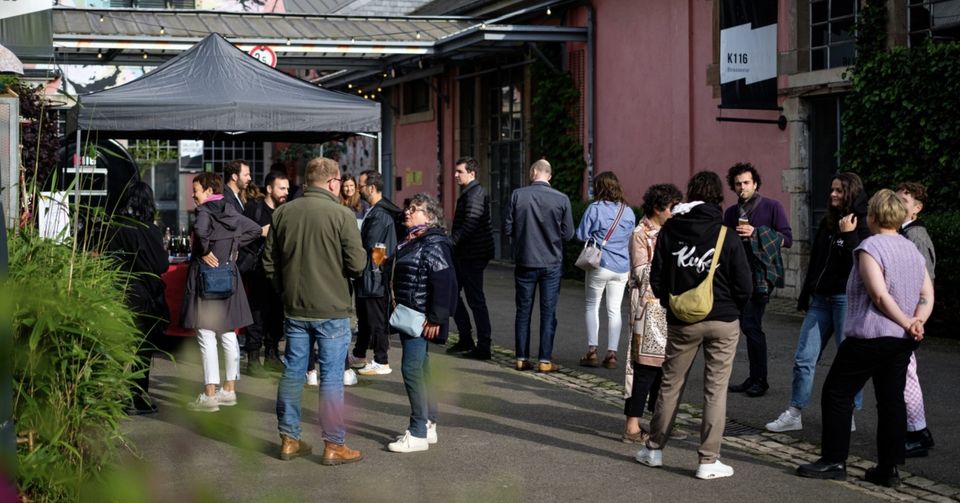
{"points": [[589, 101]]}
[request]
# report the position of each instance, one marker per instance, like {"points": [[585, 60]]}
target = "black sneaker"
{"points": [[461, 347], [757, 388], [740, 388], [477, 354], [886, 477]]}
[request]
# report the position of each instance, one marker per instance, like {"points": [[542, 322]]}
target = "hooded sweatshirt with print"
{"points": [[684, 253]]}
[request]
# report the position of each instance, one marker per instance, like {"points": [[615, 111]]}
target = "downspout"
{"points": [[440, 180], [589, 102]]}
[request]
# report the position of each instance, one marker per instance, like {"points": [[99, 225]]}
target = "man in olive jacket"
{"points": [[472, 237], [312, 250]]}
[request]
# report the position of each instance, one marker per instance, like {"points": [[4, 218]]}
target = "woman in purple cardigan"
{"points": [[889, 298]]}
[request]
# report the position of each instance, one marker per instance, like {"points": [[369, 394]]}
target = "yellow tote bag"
{"points": [[696, 303]]}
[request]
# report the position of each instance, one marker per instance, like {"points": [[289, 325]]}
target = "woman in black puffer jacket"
{"points": [[424, 280]]}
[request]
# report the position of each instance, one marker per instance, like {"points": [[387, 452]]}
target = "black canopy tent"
{"points": [[215, 90]]}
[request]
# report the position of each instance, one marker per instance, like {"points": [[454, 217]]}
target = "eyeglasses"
{"points": [[336, 180], [413, 209]]}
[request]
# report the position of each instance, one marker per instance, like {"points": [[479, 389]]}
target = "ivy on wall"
{"points": [[902, 123], [555, 105]]}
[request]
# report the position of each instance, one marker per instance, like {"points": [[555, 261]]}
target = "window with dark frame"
{"points": [[936, 20], [832, 42], [416, 97]]}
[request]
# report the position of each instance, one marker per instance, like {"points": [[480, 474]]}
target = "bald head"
{"points": [[540, 171]]}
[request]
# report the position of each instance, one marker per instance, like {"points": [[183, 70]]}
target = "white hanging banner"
{"points": [[12, 8]]}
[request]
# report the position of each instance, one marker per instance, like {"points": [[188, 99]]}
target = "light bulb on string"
{"points": [[418, 34], [99, 54], [145, 55], [163, 31], [549, 12], [101, 18], [349, 86]]}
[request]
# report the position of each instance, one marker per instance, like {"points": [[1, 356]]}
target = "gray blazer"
{"points": [[538, 220]]}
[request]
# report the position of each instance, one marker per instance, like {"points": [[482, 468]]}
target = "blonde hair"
{"points": [[320, 170], [886, 209]]}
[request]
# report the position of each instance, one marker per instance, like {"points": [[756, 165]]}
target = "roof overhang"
{"points": [[352, 45]]}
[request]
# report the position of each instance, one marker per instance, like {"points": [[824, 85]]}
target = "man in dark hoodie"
{"points": [[684, 253], [379, 226]]}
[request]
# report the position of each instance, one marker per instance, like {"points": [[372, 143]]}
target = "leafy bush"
{"points": [[900, 123], [944, 229], [74, 342]]}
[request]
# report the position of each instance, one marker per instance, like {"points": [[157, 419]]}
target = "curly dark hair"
{"points": [[705, 186], [140, 203], [739, 169], [660, 197]]}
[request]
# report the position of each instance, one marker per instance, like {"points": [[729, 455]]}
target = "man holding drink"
{"points": [[764, 229], [379, 237]]}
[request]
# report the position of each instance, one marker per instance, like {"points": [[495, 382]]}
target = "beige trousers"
{"points": [[719, 342]]}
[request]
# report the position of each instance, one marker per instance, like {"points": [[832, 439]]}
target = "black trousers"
{"points": [[885, 361], [266, 308], [751, 324], [372, 328], [646, 387], [470, 281]]}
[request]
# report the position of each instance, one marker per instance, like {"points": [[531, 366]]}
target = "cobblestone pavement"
{"points": [[778, 448]]}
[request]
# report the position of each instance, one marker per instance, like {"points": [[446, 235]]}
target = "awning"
{"points": [[353, 45]]}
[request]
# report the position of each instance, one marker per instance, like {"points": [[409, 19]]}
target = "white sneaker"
{"points": [[431, 432], [786, 422], [650, 457], [349, 377], [408, 443], [374, 369], [715, 470], [226, 398], [312, 378], [204, 403]]}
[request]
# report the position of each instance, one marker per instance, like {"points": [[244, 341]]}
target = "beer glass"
{"points": [[379, 254]]}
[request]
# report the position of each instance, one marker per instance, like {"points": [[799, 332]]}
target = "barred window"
{"points": [[832, 33], [936, 20]]}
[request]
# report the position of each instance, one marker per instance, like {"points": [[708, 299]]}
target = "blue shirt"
{"points": [[597, 221]]}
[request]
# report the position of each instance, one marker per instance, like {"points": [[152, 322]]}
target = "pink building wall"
{"points": [[655, 111]]}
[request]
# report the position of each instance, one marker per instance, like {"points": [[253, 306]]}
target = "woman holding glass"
{"points": [[423, 279]]}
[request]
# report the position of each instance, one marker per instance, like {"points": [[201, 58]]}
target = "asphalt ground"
{"points": [[515, 436]]}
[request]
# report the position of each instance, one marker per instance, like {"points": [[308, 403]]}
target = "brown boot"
{"points": [[339, 454], [291, 448]]}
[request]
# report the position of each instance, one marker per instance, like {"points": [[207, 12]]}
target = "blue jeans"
{"points": [[824, 320], [334, 339], [527, 280], [415, 367]]}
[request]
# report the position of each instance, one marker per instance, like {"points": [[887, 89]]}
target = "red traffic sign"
{"points": [[265, 54]]}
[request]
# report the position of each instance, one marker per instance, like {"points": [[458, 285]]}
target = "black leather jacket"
{"points": [[424, 278]]}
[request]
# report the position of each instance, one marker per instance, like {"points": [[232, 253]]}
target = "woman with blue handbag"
{"points": [[214, 301], [424, 287]]}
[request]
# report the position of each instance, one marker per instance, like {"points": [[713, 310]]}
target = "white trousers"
{"points": [[614, 283], [211, 360]]}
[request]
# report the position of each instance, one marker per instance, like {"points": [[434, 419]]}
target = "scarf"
{"points": [[413, 233]]}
